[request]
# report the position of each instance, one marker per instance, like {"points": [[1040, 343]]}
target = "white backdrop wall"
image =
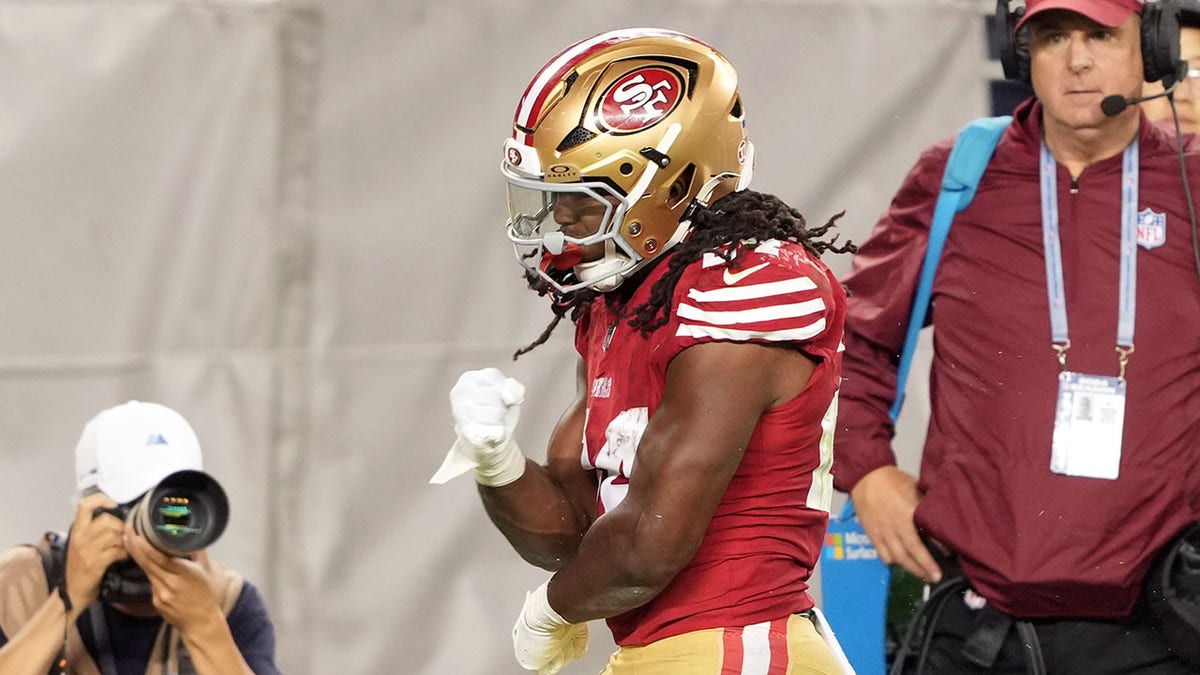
{"points": [[285, 220]]}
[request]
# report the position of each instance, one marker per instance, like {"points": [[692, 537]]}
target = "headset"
{"points": [[1160, 42], [1160, 22]]}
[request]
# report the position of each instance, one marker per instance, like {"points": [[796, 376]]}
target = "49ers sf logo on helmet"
{"points": [[640, 99]]}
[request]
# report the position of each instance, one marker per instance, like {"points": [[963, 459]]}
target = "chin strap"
{"points": [[604, 274], [603, 270]]}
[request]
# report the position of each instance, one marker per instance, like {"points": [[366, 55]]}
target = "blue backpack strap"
{"points": [[968, 159]]}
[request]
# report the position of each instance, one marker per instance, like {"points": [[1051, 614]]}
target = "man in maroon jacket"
{"points": [[1058, 461]]}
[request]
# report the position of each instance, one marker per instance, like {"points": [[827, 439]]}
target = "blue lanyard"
{"points": [[1127, 302]]}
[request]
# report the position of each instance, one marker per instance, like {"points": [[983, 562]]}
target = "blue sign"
{"points": [[854, 592]]}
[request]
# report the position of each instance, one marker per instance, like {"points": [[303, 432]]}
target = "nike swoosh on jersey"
{"points": [[732, 278]]}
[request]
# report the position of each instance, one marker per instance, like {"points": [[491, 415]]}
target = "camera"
{"points": [[183, 513]]}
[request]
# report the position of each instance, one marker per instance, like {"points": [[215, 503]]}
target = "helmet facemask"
{"points": [[543, 249]]}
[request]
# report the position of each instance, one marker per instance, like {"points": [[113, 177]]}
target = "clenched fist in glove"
{"points": [[486, 406], [543, 640]]}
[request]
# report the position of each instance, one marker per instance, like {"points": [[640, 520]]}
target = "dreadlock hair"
{"points": [[570, 305], [733, 223]]}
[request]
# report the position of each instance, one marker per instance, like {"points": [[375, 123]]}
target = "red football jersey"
{"points": [[766, 535]]}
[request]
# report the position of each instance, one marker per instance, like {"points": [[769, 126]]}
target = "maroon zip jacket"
{"points": [[1036, 544]]}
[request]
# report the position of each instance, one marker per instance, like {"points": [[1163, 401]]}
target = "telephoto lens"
{"points": [[185, 512]]}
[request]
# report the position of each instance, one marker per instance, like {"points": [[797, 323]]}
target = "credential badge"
{"points": [[1151, 229]]}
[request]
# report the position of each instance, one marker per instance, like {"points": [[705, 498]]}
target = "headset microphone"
{"points": [[1116, 104]]}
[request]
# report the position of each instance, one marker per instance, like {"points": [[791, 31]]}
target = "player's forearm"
{"points": [[537, 516], [32, 650], [212, 649], [623, 563]]}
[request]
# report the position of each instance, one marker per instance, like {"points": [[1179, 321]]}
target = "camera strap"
{"points": [[104, 653], [54, 559], [54, 563]]}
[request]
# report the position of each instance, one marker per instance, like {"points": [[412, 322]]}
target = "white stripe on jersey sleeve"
{"points": [[792, 334], [751, 291], [755, 315]]}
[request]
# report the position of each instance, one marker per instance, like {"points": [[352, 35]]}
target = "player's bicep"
{"points": [[715, 393]]}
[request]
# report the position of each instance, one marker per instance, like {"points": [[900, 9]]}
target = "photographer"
{"points": [[103, 598]]}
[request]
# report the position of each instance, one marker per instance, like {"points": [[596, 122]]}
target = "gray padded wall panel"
{"points": [[286, 221]]}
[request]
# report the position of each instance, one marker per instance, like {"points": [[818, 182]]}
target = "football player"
{"points": [[686, 489]]}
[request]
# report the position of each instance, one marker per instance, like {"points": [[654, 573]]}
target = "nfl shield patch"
{"points": [[1151, 229]]}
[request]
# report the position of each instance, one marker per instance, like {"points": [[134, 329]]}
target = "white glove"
{"points": [[543, 640], [486, 406]]}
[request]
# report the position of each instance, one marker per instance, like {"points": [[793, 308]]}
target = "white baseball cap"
{"points": [[127, 449]]}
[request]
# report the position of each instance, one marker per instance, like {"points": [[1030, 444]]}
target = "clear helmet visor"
{"points": [[530, 212], [535, 210]]}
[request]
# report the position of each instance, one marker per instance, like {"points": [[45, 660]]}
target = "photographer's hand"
{"points": [[95, 543], [184, 592]]}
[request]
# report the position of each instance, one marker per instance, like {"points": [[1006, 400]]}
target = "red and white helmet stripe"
{"points": [[562, 64]]}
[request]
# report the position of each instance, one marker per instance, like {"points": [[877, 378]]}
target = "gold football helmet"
{"points": [[621, 118]]}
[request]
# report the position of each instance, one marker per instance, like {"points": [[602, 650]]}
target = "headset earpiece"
{"points": [[1013, 47], [1159, 33], [1160, 42]]}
